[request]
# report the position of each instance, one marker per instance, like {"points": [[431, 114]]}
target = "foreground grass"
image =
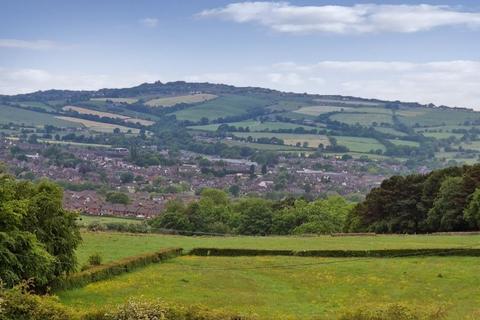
{"points": [[112, 246], [300, 287]]}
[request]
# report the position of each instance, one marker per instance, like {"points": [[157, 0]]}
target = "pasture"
{"points": [[391, 131], [221, 107], [85, 220], [365, 118], [292, 139], [254, 126], [114, 246], [171, 101], [31, 118], [318, 110], [116, 100], [407, 143], [108, 115], [437, 117], [286, 286], [264, 146], [358, 144], [98, 126]]}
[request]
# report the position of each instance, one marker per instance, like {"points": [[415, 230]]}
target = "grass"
{"points": [[357, 144], [93, 145], [221, 107], [31, 118], [97, 126], [171, 101], [37, 104], [297, 287], [364, 119], [108, 115], [254, 125], [352, 102], [118, 100], [407, 143], [113, 246], [267, 147], [292, 139], [391, 131], [85, 220], [437, 117], [318, 110]]}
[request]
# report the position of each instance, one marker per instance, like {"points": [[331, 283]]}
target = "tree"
{"points": [[472, 213], [126, 177], [118, 197], [234, 190], [38, 237], [447, 211], [255, 216], [264, 169]]}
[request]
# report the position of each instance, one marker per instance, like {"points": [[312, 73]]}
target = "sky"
{"points": [[398, 50]]}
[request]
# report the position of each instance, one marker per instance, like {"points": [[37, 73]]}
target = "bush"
{"points": [[20, 304], [394, 312], [95, 259]]}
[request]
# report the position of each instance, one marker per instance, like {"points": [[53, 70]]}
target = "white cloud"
{"points": [[30, 44], [149, 22], [14, 81], [356, 19], [453, 83]]}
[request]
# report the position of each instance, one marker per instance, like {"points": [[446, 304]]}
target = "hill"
{"points": [[254, 117]]}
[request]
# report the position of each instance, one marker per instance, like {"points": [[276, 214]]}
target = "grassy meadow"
{"points": [[303, 288], [171, 101], [97, 126], [292, 139], [31, 118], [359, 144], [254, 125]]}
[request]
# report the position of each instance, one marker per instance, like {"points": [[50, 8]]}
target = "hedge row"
{"points": [[114, 268], [383, 253]]}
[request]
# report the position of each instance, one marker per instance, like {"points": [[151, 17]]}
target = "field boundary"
{"points": [[109, 270], [377, 253]]}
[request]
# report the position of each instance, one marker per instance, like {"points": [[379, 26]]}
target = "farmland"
{"points": [[118, 100], [296, 287], [31, 118], [364, 119], [255, 126], [318, 110], [97, 126], [313, 140], [264, 146], [221, 107], [171, 101], [108, 115], [357, 144]]}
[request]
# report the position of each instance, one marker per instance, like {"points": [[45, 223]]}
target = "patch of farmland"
{"points": [[318, 110], [439, 117], [37, 104], [254, 126], [407, 143], [292, 139], [364, 119], [171, 101], [31, 118], [98, 126], [391, 131], [351, 102], [264, 146], [108, 115], [93, 145], [292, 287], [473, 145], [117, 100], [221, 107], [359, 144]]}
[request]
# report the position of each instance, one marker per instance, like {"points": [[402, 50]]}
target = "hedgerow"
{"points": [[102, 272], [383, 253]]}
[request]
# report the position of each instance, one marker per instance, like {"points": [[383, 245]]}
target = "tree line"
{"points": [[443, 200]]}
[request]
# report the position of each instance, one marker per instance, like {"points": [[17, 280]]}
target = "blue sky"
{"points": [[392, 49]]}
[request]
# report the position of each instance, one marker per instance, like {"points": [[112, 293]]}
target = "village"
{"points": [[88, 174]]}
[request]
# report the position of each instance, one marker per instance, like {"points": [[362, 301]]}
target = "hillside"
{"points": [[258, 118]]}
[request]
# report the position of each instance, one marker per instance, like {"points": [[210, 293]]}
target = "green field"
{"points": [[264, 146], [31, 118], [117, 100], [437, 117], [113, 246], [37, 104], [407, 143], [85, 220], [364, 119], [221, 107], [254, 126], [357, 144], [391, 131], [292, 139], [318, 110], [303, 288], [171, 101]]}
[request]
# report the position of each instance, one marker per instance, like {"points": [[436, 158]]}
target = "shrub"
{"points": [[394, 312], [95, 259], [20, 304]]}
